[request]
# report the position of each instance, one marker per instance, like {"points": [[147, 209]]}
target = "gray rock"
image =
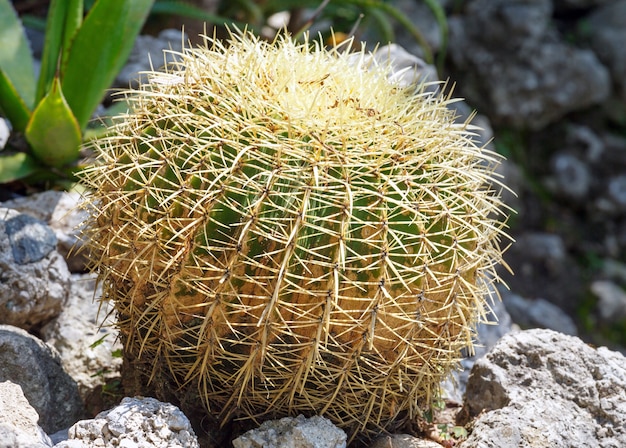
{"points": [[62, 211], [539, 313], [617, 191], [572, 177], [36, 367], [76, 331], [614, 269], [39, 205], [18, 420], [150, 53], [540, 388], [611, 300], [289, 432], [512, 65], [584, 140], [135, 422], [498, 323], [403, 441], [543, 246], [512, 177], [543, 268], [607, 32], [30, 238], [422, 17], [34, 279]]}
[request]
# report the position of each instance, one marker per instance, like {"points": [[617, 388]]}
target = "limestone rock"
{"points": [[29, 362], [61, 210], [543, 267], [136, 422], [18, 420], [403, 441], [487, 335], [572, 176], [538, 313], [540, 388], [611, 300], [510, 63], [607, 30], [75, 334], [34, 279], [148, 52], [289, 432]]}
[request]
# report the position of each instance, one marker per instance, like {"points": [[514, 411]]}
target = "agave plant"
{"points": [[284, 230]]}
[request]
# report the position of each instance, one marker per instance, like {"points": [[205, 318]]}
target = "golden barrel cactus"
{"points": [[283, 230]]}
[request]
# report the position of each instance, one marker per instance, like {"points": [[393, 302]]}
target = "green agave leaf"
{"points": [[16, 166], [99, 50], [15, 58], [12, 104], [53, 132], [64, 18]]}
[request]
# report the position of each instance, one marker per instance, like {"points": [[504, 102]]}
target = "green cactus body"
{"points": [[284, 231]]}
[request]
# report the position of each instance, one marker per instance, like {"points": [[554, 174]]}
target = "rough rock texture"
{"points": [[487, 335], [18, 420], [513, 66], [538, 313], [61, 210], [288, 432], [150, 51], [542, 268], [607, 27], [540, 388], [34, 280], [75, 332], [403, 441], [29, 362], [136, 423]]}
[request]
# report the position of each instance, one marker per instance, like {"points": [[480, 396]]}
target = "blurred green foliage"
{"points": [[81, 56]]}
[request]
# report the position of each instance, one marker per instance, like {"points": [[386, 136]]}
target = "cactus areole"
{"points": [[284, 230]]}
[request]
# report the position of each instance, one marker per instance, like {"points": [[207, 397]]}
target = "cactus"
{"points": [[283, 230]]}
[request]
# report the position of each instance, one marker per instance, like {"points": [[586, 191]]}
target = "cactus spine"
{"points": [[284, 231]]}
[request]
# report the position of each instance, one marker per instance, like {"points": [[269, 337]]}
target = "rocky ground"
{"points": [[547, 78]]}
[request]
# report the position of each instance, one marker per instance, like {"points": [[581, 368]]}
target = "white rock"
{"points": [[611, 300], [35, 366], [135, 423], [61, 210], [18, 420], [403, 441], [539, 313], [75, 331], [289, 432], [540, 388], [34, 279]]}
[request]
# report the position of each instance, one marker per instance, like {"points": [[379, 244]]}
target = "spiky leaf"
{"points": [[53, 132], [16, 61]]}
